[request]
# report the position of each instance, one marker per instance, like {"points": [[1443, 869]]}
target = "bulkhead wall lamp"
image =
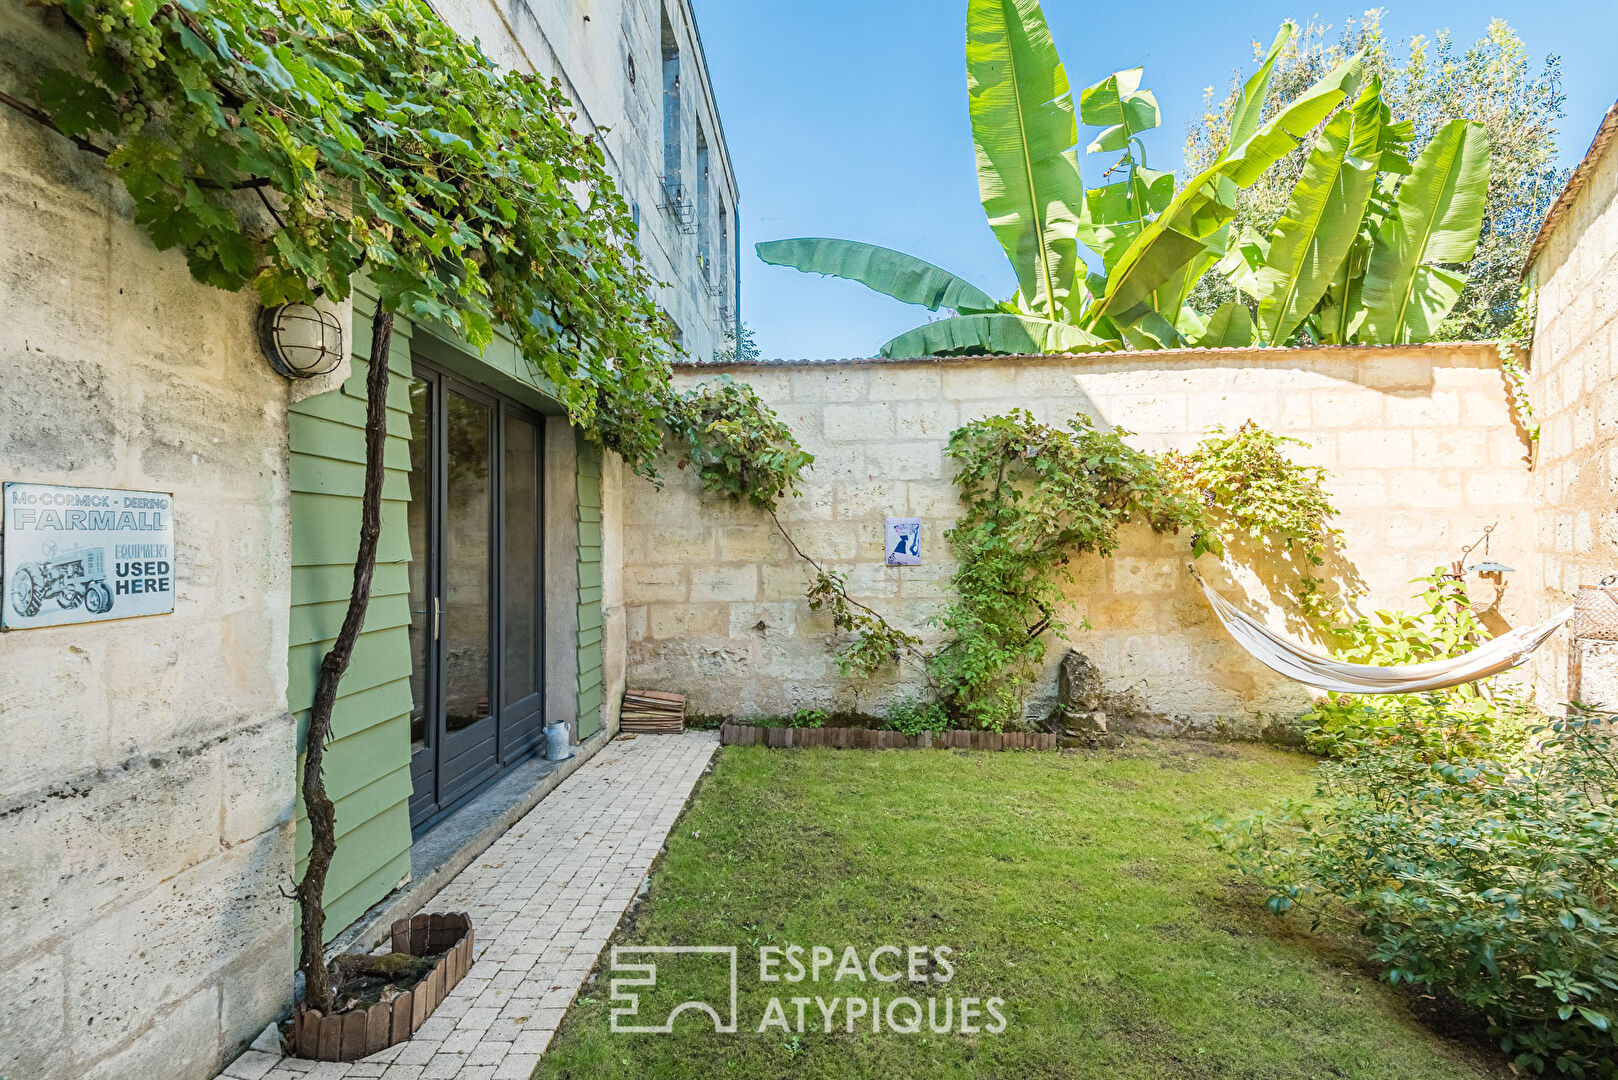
{"points": [[300, 341]]}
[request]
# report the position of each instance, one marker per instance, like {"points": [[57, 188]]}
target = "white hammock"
{"points": [[1300, 665]]}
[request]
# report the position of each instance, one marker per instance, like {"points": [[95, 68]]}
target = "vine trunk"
{"points": [[317, 804]]}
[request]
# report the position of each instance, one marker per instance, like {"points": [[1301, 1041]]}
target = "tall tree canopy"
{"points": [[1492, 81]]}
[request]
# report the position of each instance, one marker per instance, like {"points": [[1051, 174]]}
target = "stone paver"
{"points": [[544, 899]]}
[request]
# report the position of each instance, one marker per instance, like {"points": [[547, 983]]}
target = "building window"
{"points": [[705, 253], [671, 114]]}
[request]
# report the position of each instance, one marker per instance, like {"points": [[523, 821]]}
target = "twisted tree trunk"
{"points": [[317, 804]]}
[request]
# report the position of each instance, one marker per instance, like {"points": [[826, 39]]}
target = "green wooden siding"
{"points": [[589, 481], [368, 757]]}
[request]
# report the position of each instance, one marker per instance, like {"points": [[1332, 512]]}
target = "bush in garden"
{"points": [[914, 715], [1495, 881], [1482, 719]]}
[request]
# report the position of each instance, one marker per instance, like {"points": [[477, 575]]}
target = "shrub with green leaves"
{"points": [[1485, 717], [914, 715], [1494, 881], [1260, 502], [739, 446]]}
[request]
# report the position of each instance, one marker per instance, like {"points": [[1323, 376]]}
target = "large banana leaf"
{"points": [[1118, 104], [998, 333], [1185, 230], [1024, 130], [1244, 119], [1231, 327], [1436, 218], [892, 273], [1313, 237]]}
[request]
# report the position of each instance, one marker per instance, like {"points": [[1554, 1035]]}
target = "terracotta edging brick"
{"points": [[866, 739], [363, 1032]]}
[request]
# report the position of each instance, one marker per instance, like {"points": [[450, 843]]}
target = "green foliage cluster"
{"points": [[293, 144], [1492, 877], [806, 718], [1260, 502], [738, 445], [1034, 497], [1424, 80], [1366, 245], [914, 715], [1473, 718]]}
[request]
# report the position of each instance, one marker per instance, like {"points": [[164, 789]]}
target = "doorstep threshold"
{"points": [[459, 837]]}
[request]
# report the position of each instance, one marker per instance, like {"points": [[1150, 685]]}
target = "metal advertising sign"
{"points": [[75, 555]]}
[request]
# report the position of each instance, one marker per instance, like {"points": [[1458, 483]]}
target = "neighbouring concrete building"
{"points": [[148, 807]]}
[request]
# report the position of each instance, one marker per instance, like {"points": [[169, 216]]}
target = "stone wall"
{"points": [[1574, 388], [146, 789], [1421, 447]]}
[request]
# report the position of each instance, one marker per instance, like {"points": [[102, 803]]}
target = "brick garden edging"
{"points": [[354, 1035], [866, 739]]}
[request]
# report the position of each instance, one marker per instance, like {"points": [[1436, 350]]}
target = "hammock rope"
{"points": [[1292, 660]]}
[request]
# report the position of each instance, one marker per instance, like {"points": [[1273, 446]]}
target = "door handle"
{"points": [[436, 613]]}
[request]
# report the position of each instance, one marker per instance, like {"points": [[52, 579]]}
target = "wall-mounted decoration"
{"points": [[904, 541], [75, 555]]}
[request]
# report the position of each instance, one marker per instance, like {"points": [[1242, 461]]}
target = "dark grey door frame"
{"points": [[508, 733]]}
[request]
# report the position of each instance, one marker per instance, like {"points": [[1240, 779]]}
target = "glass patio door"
{"points": [[475, 587]]}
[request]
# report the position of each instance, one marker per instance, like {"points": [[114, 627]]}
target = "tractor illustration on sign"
{"points": [[70, 578]]}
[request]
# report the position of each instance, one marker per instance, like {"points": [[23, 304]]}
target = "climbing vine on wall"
{"points": [[1519, 335], [1034, 497], [741, 450], [737, 444], [1259, 503], [288, 145]]}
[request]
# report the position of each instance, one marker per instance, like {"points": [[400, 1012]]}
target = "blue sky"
{"points": [[848, 118]]}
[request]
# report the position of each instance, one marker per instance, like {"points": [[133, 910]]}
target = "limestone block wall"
{"points": [[1574, 388], [1422, 451], [146, 788]]}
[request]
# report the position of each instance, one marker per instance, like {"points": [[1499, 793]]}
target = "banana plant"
{"points": [[1360, 256], [1347, 240]]}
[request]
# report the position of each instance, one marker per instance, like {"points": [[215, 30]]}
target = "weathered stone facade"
{"points": [[1420, 444], [1574, 389], [611, 57], [146, 793]]}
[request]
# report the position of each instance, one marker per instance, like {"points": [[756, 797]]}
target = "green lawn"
{"points": [[1074, 886]]}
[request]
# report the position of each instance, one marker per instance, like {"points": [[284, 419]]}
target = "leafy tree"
{"points": [[741, 346], [1493, 82]]}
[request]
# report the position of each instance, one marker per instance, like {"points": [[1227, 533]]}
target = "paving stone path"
{"points": [[543, 899]]}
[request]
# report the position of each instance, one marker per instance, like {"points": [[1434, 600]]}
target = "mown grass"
{"points": [[1075, 886]]}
